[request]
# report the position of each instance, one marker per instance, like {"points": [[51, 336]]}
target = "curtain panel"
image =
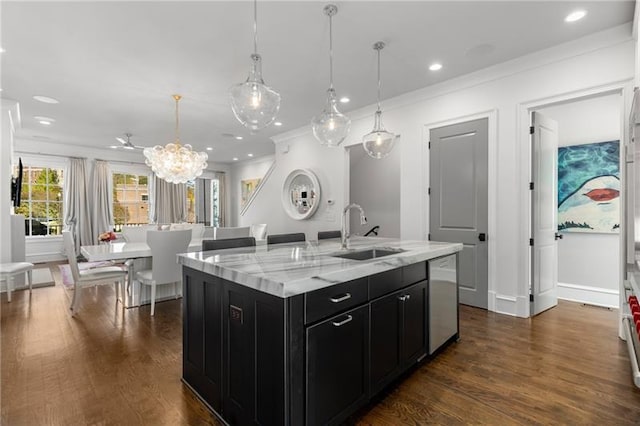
{"points": [[76, 203], [222, 198], [102, 194], [169, 201]]}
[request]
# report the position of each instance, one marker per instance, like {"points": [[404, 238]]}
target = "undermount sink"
{"points": [[367, 254]]}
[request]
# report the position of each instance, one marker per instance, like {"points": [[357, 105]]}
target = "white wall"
{"points": [[500, 92], [45, 249], [8, 122], [375, 185], [585, 259]]}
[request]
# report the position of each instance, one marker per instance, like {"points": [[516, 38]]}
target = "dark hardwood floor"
{"points": [[109, 366]]}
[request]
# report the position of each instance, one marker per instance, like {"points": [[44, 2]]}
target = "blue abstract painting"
{"points": [[589, 187]]}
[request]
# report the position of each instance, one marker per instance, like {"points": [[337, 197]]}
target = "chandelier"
{"points": [[378, 143], [254, 104], [330, 127], [176, 163]]}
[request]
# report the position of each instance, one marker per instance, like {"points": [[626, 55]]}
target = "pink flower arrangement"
{"points": [[107, 236]]}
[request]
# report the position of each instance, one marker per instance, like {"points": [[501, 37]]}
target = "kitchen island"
{"points": [[307, 333]]}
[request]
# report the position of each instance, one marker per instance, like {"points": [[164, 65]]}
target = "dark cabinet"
{"points": [[398, 336], [202, 337], [337, 366]]}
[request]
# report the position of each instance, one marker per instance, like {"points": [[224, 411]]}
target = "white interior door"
{"points": [[544, 202]]}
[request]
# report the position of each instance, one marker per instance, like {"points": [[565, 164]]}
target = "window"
{"points": [[41, 200], [130, 199], [191, 201]]}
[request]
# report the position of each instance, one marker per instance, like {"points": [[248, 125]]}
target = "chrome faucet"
{"points": [[344, 234]]}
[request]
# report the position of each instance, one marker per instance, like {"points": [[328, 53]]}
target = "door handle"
{"points": [[558, 236], [404, 297], [342, 298], [482, 236], [343, 322]]}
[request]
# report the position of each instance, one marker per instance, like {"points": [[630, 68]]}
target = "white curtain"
{"points": [[222, 198], [76, 203], [102, 194], [169, 203]]}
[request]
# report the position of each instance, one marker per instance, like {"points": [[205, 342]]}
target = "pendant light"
{"points": [[331, 127], [379, 143], [254, 104], [176, 163]]}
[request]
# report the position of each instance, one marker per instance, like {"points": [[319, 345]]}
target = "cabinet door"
{"points": [[337, 366], [386, 339], [414, 336], [193, 330], [212, 383]]}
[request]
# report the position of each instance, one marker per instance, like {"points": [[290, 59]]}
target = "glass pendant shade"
{"points": [[331, 127], [254, 104], [379, 143], [176, 163]]}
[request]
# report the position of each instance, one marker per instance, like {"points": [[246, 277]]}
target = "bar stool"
{"points": [[9, 270]]}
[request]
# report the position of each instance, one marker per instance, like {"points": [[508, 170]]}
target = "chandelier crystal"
{"points": [[331, 127], [176, 163], [254, 104], [379, 143]]}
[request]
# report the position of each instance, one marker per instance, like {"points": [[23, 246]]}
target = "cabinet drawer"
{"points": [[337, 298], [415, 273], [385, 282]]}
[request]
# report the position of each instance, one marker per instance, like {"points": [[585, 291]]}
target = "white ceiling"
{"points": [[114, 65]]}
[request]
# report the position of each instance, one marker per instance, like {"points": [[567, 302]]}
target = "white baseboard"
{"points": [[591, 295]]}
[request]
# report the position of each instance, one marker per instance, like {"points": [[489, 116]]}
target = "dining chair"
{"points": [[286, 238], [164, 245], [228, 243], [259, 231], [12, 269], [92, 276], [136, 234], [209, 232], [222, 233], [325, 235]]}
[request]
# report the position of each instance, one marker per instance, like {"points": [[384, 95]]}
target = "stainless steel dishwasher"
{"points": [[443, 301]]}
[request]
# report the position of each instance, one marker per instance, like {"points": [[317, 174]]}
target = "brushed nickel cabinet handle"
{"points": [[342, 298], [404, 297], [343, 322]]}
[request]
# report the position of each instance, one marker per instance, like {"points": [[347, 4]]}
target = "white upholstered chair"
{"points": [[222, 233], [10, 270], [136, 234], [165, 245], [259, 231], [197, 229], [90, 277]]}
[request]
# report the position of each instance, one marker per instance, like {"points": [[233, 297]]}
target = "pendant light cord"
{"points": [[255, 26], [379, 81], [331, 51], [177, 98]]}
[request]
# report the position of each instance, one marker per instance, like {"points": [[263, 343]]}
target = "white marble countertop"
{"points": [[286, 270]]}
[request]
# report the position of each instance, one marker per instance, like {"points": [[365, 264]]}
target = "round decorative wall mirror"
{"points": [[301, 194]]}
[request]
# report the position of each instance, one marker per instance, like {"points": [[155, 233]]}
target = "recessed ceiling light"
{"points": [[239, 138], [235, 158], [277, 123], [46, 99], [435, 67], [45, 122], [344, 100], [114, 147], [249, 155], [2, 50], [575, 16], [209, 148], [128, 147], [43, 118]]}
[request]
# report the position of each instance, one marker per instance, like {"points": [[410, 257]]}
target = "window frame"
{"points": [[121, 169]]}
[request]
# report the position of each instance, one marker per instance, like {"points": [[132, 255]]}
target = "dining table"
{"points": [[137, 257]]}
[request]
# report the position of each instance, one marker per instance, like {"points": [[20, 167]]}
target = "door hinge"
{"points": [[531, 130], [531, 241], [429, 145], [429, 191], [531, 298], [531, 186], [429, 237]]}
